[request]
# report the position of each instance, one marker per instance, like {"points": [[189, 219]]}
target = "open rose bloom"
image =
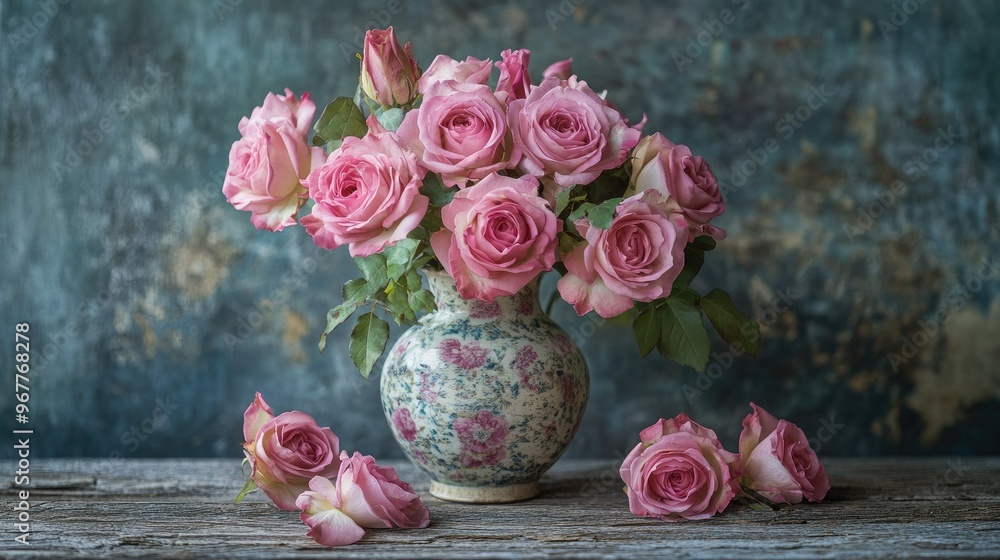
{"points": [[495, 174], [679, 471]]}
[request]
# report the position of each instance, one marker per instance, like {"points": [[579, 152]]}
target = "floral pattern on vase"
{"points": [[484, 395]]}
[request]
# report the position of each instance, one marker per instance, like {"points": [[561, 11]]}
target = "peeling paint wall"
{"points": [[857, 143]]}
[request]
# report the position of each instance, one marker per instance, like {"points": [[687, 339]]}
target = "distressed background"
{"points": [[145, 290]]}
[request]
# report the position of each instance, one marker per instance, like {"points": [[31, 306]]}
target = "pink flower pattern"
{"points": [[428, 389], [480, 309], [404, 423], [522, 362], [469, 356], [483, 439]]}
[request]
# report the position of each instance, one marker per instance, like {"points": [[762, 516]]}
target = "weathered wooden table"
{"points": [[881, 508]]}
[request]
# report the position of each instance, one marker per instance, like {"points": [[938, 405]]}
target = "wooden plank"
{"points": [[183, 508]]}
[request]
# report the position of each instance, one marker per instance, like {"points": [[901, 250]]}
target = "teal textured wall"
{"points": [[857, 142]]}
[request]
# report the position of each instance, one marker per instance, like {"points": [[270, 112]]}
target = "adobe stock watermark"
{"points": [[562, 12], [787, 126], [957, 298], [899, 16], [713, 28], [609, 479], [379, 19], [94, 136], [134, 437], [720, 362], [29, 27], [954, 475], [827, 429], [914, 168]]}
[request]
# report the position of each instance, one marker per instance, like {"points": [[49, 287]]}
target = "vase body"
{"points": [[482, 396]]}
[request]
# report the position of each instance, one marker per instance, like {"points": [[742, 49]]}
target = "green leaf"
{"points": [[368, 342], [250, 486], [413, 280], [340, 119], [683, 337], [732, 325], [562, 199], [647, 331], [422, 300], [391, 119], [435, 190], [580, 211], [693, 259], [356, 290], [334, 318], [373, 267], [703, 242], [603, 214], [397, 302], [398, 257]]}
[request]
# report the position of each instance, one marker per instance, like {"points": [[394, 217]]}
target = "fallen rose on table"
{"points": [[298, 465], [680, 470]]}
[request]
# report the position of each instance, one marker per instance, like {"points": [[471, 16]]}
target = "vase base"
{"points": [[484, 494]]}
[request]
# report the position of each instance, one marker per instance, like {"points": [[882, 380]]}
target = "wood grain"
{"points": [[885, 508]]}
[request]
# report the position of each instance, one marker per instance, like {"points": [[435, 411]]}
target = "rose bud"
{"points": [[389, 73]]}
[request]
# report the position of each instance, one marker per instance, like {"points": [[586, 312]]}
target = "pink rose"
{"points": [[365, 495], [679, 471], [267, 165], [499, 235], [367, 195], [568, 132], [659, 164], [515, 82], [778, 462], [389, 73], [636, 259], [459, 131], [562, 69], [444, 68], [286, 451]]}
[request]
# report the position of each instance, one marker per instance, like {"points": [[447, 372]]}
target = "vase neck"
{"points": [[523, 303]]}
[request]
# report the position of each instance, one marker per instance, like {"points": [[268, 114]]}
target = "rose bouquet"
{"points": [[495, 185]]}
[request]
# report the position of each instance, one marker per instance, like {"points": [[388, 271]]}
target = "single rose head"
{"points": [[444, 69], [367, 195], [499, 234], [459, 131], [659, 164], [515, 82], [267, 165], [679, 471], [374, 496], [567, 132], [287, 451], [636, 259], [389, 73], [778, 462]]}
